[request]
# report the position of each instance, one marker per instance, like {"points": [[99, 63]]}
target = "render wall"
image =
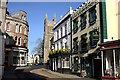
{"points": [[112, 20]]}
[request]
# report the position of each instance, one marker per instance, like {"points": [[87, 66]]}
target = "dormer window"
{"points": [[25, 18]]}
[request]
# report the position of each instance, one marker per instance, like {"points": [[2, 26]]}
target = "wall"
{"points": [[118, 15], [2, 56], [112, 24]]}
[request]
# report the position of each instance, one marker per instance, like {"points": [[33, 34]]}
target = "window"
{"points": [[75, 44], [61, 31], [65, 29], [83, 21], [24, 42], [94, 38], [57, 46], [17, 28], [8, 26], [84, 42], [57, 34], [16, 39], [25, 30], [19, 40], [75, 25], [20, 29], [92, 16], [61, 45]]}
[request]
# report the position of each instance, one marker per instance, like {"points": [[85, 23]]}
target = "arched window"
{"points": [[25, 30], [20, 29], [8, 26], [25, 42], [19, 40], [16, 39], [17, 28]]}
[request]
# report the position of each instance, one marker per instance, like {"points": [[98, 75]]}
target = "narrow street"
{"points": [[37, 73], [18, 74]]}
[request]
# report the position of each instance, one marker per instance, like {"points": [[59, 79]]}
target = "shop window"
{"points": [[84, 42], [75, 25], [94, 38], [92, 16], [15, 61], [83, 21], [76, 63], [75, 44]]}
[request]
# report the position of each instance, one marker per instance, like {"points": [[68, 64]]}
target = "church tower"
{"points": [[48, 34]]}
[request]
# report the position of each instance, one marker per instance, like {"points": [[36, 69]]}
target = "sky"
{"points": [[35, 16]]}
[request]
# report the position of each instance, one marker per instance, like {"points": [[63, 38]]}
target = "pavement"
{"points": [[53, 75]]}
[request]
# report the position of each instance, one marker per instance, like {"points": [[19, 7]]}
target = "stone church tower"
{"points": [[48, 34]]}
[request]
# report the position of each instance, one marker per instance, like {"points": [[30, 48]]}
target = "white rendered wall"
{"points": [[112, 24]]}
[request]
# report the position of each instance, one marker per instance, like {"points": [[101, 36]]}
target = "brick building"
{"points": [[16, 45]]}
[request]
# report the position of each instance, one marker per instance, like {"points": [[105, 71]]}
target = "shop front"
{"points": [[110, 54], [60, 62]]}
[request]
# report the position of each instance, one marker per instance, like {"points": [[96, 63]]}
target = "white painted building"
{"points": [[62, 41]]}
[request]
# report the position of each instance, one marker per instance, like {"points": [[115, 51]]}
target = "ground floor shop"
{"points": [[110, 53], [16, 56], [60, 62], [90, 65]]}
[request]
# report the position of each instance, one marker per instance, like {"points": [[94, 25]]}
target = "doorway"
{"points": [[97, 68]]}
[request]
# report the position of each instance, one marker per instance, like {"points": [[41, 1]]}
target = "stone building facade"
{"points": [[85, 38], [48, 34], [16, 45], [94, 23]]}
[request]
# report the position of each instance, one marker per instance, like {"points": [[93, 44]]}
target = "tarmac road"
{"points": [[20, 74]]}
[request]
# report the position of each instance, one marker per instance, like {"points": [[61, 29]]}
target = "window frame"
{"points": [[75, 25], [92, 15], [83, 21]]}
